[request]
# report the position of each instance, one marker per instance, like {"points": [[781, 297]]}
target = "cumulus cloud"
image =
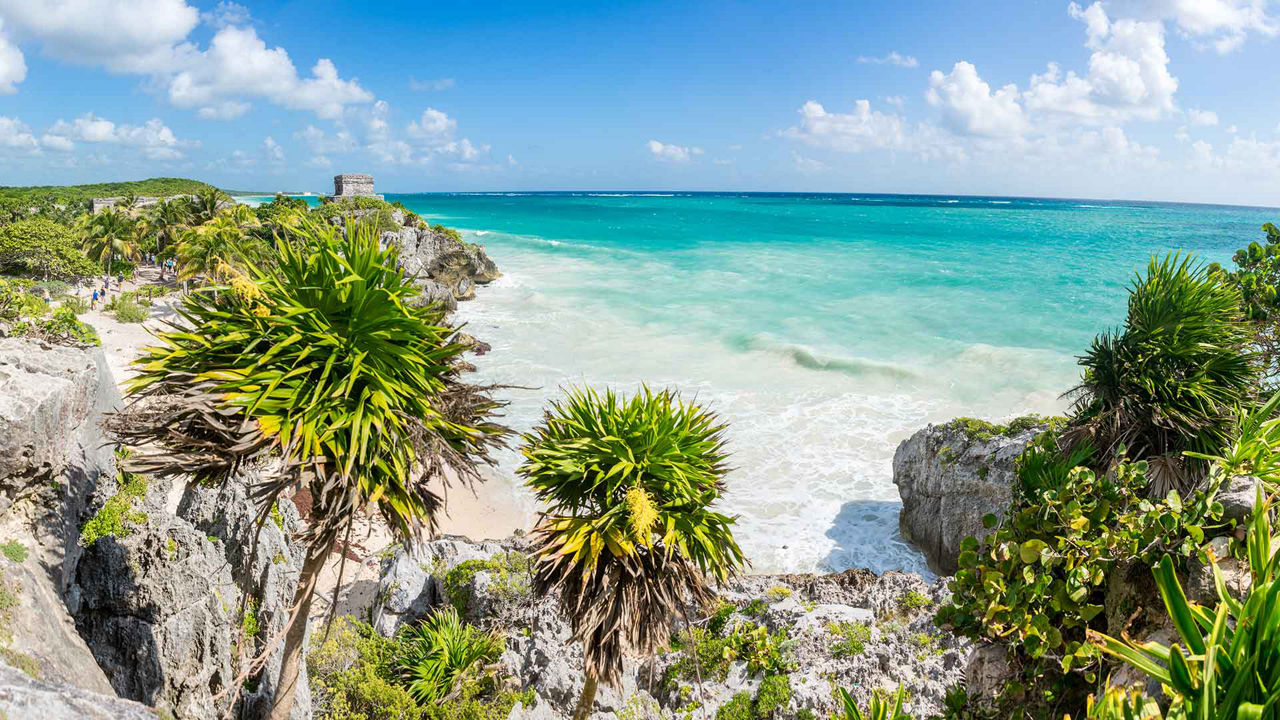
{"points": [[13, 66], [1128, 74], [1221, 25], [893, 58], [431, 85], [869, 129], [272, 150], [150, 37], [969, 107], [1243, 155], [433, 125], [153, 138], [672, 153], [15, 134]]}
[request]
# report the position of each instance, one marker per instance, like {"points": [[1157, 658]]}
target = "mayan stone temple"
{"points": [[353, 185]]}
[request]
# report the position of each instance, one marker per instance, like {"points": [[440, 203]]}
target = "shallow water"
{"points": [[823, 328]]}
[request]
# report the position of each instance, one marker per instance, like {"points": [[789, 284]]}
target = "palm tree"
{"points": [[319, 370], [222, 247], [108, 236], [166, 222], [205, 205], [628, 536], [1173, 379]]}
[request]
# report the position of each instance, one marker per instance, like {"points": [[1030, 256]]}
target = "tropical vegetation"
{"points": [[320, 360], [628, 534]]}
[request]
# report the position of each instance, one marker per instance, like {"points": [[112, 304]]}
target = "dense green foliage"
{"points": [[151, 187], [25, 314], [357, 674], [1226, 662], [509, 573], [1257, 276], [628, 535], [222, 248], [441, 652], [39, 247]]}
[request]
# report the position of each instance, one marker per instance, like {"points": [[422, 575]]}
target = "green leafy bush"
{"points": [[851, 638], [510, 575], [77, 306], [1226, 664], [14, 550], [1037, 582], [1172, 379], [442, 651], [39, 247], [710, 654], [128, 310]]}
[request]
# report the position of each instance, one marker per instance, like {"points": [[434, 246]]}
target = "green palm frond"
{"points": [[628, 534], [440, 652]]}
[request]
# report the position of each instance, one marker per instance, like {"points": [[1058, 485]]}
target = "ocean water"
{"points": [[823, 328]]}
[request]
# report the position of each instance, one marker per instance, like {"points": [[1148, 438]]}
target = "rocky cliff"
{"points": [[949, 476], [446, 268]]}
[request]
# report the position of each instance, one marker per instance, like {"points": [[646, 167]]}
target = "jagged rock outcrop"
{"points": [[890, 616], [22, 697], [160, 607], [439, 256], [52, 459], [950, 476]]}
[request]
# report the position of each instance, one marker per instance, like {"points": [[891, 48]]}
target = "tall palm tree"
{"points": [[321, 371], [166, 222], [108, 236], [628, 536], [222, 247]]}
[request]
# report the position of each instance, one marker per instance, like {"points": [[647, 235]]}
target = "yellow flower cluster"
{"points": [[642, 514]]}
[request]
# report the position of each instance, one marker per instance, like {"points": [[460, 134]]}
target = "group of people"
{"points": [[100, 293]]}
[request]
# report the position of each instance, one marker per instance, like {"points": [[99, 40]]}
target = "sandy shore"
{"points": [[484, 514]]}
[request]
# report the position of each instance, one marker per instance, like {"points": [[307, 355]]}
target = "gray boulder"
{"points": [[950, 476], [412, 580], [22, 697], [1238, 496], [439, 256]]}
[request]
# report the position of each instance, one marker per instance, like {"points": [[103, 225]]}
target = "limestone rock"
{"points": [[1238, 496], [436, 255], [949, 478], [412, 581], [22, 696]]}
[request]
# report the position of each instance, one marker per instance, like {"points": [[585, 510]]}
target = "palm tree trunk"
{"points": [[587, 699], [287, 685]]}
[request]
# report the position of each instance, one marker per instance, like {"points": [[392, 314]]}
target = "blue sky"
{"points": [[1145, 99]]}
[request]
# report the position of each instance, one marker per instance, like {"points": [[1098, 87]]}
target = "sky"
{"points": [[1138, 99]]}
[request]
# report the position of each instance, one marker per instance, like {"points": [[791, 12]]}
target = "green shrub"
{"points": [[39, 247], [739, 707], [77, 306], [1171, 381], [1037, 582], [117, 517], [448, 232], [127, 310], [851, 638], [913, 600], [510, 578], [773, 696], [710, 654], [15, 551], [63, 328], [777, 593], [982, 430], [438, 653]]}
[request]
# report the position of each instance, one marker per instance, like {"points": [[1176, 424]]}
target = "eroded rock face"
{"points": [[22, 696], [949, 478], [161, 606], [893, 611], [434, 255]]}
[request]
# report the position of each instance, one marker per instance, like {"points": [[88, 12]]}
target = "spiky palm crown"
{"points": [[1173, 379], [628, 535], [320, 362]]}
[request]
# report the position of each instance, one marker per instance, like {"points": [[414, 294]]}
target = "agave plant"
{"points": [[1172, 379], [1227, 665], [628, 536], [881, 707], [438, 653], [322, 364]]}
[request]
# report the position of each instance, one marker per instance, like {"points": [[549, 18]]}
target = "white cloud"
{"points": [[807, 165], [135, 36], [970, 108], [153, 138], [1182, 135], [150, 37], [860, 130], [320, 161], [13, 66], [893, 58], [433, 125], [1222, 25], [1248, 156], [239, 64], [896, 100], [15, 134], [1128, 73], [225, 14], [322, 143], [431, 85], [672, 153], [1203, 118]]}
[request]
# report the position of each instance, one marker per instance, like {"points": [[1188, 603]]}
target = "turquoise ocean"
{"points": [[824, 329]]}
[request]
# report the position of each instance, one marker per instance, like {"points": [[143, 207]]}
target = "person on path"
{"points": [[93, 304]]}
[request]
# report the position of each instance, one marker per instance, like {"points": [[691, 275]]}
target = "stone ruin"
{"points": [[353, 185]]}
